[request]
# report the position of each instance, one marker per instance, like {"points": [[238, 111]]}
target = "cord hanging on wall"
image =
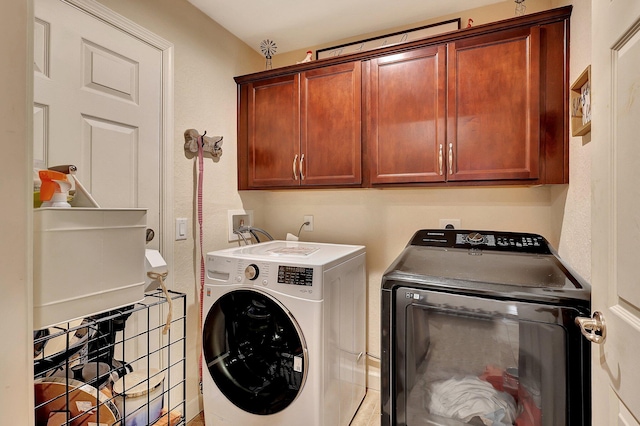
{"points": [[212, 144]]}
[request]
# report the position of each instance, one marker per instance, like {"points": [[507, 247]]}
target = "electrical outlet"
{"points": [[309, 227], [238, 218], [453, 222]]}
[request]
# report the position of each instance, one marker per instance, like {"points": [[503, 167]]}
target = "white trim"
{"points": [[108, 16], [103, 13]]}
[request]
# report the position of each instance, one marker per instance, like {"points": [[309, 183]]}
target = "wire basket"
{"points": [[117, 368]]}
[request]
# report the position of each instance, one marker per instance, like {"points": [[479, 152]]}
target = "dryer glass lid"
{"points": [[512, 269]]}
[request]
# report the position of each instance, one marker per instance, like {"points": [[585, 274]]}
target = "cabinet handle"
{"points": [[440, 155], [295, 174], [301, 169], [450, 158]]}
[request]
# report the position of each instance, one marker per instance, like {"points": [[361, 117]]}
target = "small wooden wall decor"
{"points": [[580, 104]]}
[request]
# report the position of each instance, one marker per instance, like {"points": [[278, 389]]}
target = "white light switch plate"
{"points": [[181, 228]]}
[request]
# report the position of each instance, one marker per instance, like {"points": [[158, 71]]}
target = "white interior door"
{"points": [[103, 102], [616, 203], [98, 105]]}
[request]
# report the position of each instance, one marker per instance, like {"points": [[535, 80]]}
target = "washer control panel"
{"points": [[287, 278], [482, 240], [251, 272], [295, 275]]}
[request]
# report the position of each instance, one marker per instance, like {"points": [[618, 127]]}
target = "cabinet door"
{"points": [[494, 106], [330, 141], [407, 117], [274, 132]]}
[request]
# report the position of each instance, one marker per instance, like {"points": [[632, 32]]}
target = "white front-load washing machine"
{"points": [[283, 334]]}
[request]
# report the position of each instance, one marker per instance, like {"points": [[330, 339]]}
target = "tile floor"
{"points": [[367, 415]]}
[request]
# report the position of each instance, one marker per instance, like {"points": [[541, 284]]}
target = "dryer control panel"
{"points": [[483, 240]]}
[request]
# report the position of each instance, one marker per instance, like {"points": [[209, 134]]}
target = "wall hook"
{"points": [[212, 144]]}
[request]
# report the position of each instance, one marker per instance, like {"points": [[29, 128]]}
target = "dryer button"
{"points": [[265, 282], [239, 278]]}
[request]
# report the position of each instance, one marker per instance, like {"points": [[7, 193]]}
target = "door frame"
{"points": [[103, 13]]}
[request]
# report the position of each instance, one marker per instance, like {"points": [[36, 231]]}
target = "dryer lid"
{"points": [[486, 261]]}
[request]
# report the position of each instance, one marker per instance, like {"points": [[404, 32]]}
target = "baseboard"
{"points": [[194, 407], [373, 373]]}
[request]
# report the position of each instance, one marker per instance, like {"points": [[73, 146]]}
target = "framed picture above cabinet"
{"points": [[580, 104], [390, 39]]}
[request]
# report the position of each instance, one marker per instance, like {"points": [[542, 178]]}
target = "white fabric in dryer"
{"points": [[468, 397]]}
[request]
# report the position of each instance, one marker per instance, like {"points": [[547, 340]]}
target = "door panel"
{"points": [[330, 125], [494, 106], [40, 120], [616, 201], [107, 72], [274, 136], [98, 94], [407, 117], [112, 150]]}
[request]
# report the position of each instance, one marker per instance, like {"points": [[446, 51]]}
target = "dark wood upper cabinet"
{"points": [[273, 132], [493, 114], [302, 129], [407, 116], [330, 127], [486, 105]]}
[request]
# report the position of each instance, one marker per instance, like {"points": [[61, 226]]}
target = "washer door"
{"points": [[254, 351]]}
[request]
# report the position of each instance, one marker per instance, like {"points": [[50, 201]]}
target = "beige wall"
{"points": [[16, 112], [571, 210]]}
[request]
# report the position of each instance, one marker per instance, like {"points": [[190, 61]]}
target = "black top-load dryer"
{"points": [[479, 327]]}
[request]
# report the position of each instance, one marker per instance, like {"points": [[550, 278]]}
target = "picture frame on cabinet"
{"points": [[390, 39], [580, 104]]}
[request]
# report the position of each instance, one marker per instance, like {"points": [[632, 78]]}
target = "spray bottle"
{"points": [[54, 190]]}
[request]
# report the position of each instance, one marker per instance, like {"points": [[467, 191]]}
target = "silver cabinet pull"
{"points": [[295, 174], [589, 327], [301, 169], [440, 155], [450, 158]]}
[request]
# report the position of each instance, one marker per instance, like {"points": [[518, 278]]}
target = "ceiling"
{"points": [[300, 24]]}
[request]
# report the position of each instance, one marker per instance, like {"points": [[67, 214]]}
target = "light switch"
{"points": [[181, 228]]}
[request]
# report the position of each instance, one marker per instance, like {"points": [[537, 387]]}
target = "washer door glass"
{"points": [[254, 351]]}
